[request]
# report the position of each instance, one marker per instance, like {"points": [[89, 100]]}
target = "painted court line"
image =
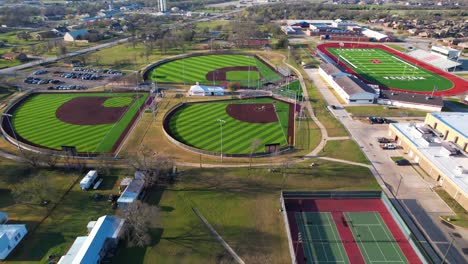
{"points": [[337, 238], [389, 236]]}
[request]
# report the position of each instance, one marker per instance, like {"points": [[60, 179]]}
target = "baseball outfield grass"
{"points": [[197, 125], [35, 120], [383, 68], [195, 69]]}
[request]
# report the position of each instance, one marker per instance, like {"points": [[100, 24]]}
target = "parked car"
{"points": [[39, 72], [402, 162], [388, 146], [383, 140]]}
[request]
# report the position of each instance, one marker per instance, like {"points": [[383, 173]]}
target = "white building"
{"points": [[104, 235], [202, 90], [338, 23], [375, 35], [10, 236], [88, 180], [81, 34], [349, 88], [439, 146], [447, 52], [162, 6], [133, 190]]}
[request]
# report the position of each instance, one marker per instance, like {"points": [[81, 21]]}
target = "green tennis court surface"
{"points": [[375, 241], [320, 239], [383, 68]]}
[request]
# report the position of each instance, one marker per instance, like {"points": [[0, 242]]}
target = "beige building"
{"points": [[439, 146]]}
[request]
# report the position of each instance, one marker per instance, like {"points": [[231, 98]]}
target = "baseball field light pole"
{"points": [[8, 116], [221, 123]]}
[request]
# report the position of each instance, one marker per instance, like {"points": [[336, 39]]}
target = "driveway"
{"points": [[412, 190]]}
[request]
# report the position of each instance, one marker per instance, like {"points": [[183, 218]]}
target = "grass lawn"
{"points": [[9, 63], [291, 90], [242, 76], [461, 217], [241, 206], [344, 149], [395, 158], [5, 92], [196, 125], [35, 121], [195, 69], [383, 68], [384, 111], [397, 47]]}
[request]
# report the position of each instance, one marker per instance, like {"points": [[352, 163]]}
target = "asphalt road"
{"points": [[413, 192]]}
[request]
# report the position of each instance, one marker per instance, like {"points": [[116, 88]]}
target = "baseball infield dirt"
{"points": [[89, 111]]}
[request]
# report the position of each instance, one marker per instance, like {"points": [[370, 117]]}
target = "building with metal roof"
{"points": [[411, 100], [104, 235], [348, 87], [10, 236], [439, 146], [133, 190], [203, 90]]}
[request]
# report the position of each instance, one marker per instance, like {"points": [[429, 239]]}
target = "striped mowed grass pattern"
{"points": [[194, 69], [35, 120], [196, 125], [383, 68]]}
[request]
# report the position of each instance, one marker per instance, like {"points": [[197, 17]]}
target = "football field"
{"points": [[380, 67]]}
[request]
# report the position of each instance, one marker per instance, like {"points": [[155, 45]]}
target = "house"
{"points": [[202, 90], [104, 234], [81, 34], [439, 146], [15, 56], [10, 236], [132, 191], [348, 87]]}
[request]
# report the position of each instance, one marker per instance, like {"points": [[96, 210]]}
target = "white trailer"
{"points": [[88, 180]]}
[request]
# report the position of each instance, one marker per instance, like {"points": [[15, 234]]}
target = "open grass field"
{"points": [[196, 125], [243, 208], [344, 149], [37, 120], [215, 69], [382, 68]]}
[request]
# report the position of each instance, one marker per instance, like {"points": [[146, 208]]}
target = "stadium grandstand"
{"points": [[435, 59]]}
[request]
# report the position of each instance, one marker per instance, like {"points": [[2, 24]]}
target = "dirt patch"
{"points": [[89, 111], [220, 74], [252, 113]]}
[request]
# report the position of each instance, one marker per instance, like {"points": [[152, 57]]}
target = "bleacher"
{"points": [[434, 59]]}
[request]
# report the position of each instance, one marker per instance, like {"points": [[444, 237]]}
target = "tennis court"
{"points": [[375, 241], [320, 239]]}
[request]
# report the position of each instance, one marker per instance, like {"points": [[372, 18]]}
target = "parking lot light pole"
{"points": [[8, 116], [398, 187], [221, 123]]}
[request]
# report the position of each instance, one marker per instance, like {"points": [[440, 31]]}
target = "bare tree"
{"points": [[139, 218], [104, 163], [253, 147], [32, 158], [152, 164], [33, 190]]}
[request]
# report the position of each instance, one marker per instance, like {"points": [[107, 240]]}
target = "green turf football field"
{"points": [[383, 68], [196, 125], [35, 120], [375, 241], [320, 238], [194, 69]]}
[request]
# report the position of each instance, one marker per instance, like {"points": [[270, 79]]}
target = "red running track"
{"points": [[459, 84], [336, 207]]}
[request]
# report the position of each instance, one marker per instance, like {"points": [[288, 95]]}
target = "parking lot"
{"points": [[67, 78]]}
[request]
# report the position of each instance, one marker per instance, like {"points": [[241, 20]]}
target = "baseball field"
{"points": [[92, 122], [214, 69], [243, 121]]}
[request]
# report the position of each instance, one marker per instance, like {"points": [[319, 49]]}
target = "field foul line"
{"points": [[404, 62], [279, 123], [348, 61]]}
